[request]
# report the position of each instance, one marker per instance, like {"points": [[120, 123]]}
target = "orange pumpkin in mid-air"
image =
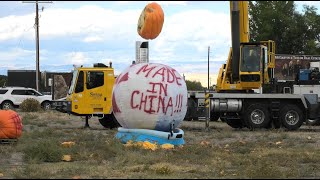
{"points": [[10, 124], [151, 21]]}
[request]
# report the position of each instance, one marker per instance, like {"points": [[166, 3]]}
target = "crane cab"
{"points": [[253, 62], [256, 65]]}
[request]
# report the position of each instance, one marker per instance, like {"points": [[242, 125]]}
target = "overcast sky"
{"points": [[87, 32]]}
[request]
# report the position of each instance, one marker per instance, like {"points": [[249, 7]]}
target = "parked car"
{"points": [[12, 97]]}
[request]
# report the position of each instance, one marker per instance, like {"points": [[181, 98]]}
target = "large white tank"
{"points": [[150, 96]]}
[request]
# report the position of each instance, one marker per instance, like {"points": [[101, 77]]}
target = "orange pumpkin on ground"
{"points": [[10, 124], [150, 21]]}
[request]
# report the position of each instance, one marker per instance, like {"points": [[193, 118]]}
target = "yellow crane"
{"points": [[249, 64], [249, 67]]}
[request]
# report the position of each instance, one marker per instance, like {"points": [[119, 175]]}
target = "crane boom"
{"points": [[242, 8]]}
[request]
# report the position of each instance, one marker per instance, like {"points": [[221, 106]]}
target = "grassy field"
{"points": [[221, 152]]}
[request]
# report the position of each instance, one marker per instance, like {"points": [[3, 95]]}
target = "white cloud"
{"points": [[197, 26], [192, 29], [77, 58], [72, 22], [111, 24], [13, 27], [13, 54], [107, 23], [93, 39]]}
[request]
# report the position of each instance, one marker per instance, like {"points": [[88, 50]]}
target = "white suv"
{"points": [[11, 97]]}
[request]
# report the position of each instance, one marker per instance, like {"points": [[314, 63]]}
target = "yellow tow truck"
{"points": [[90, 94]]}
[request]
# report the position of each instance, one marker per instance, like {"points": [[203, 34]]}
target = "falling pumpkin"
{"points": [[10, 124], [151, 21]]}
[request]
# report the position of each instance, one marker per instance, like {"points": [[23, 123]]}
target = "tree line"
{"points": [[294, 32]]}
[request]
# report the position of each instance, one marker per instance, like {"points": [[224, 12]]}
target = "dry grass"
{"points": [[221, 152]]}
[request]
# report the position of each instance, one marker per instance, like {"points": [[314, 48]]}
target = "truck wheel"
{"points": [[109, 121], [291, 117], [7, 105], [257, 116]]}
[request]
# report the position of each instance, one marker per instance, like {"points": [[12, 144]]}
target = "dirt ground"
{"points": [[218, 135]]}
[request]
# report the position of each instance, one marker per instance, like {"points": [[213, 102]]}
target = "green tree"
{"points": [[293, 32], [313, 24], [194, 86], [3, 80]]}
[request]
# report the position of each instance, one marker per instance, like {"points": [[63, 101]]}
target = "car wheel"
{"points": [[7, 105], [46, 105]]}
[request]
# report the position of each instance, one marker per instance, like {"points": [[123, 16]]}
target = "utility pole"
{"points": [[37, 42], [207, 95], [37, 46], [208, 66]]}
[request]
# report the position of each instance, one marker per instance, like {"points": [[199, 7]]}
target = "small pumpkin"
{"points": [[68, 144], [150, 21], [167, 146], [66, 158], [10, 124]]}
